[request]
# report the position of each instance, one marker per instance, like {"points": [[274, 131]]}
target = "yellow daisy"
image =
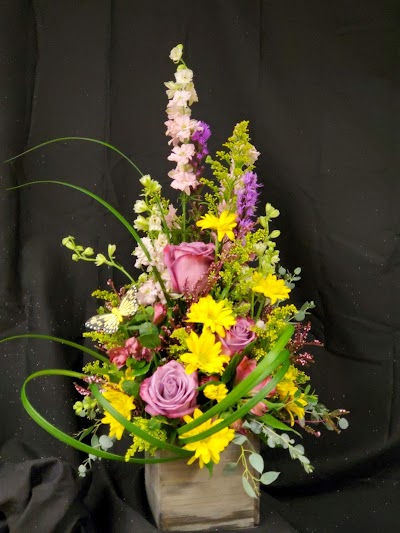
{"points": [[204, 355], [223, 224], [271, 287], [207, 449], [215, 392], [216, 316], [123, 404]]}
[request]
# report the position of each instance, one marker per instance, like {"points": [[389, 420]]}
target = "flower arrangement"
{"points": [[203, 348]]}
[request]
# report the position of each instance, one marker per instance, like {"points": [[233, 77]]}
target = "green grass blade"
{"points": [[249, 404], [61, 341], [133, 428], [270, 362], [89, 139], [112, 210], [64, 437]]}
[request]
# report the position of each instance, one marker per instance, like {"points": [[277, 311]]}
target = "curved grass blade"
{"points": [[67, 439], [89, 139], [271, 361], [249, 404], [61, 341], [133, 428], [112, 210]]}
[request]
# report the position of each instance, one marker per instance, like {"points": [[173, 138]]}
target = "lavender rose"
{"points": [[237, 337], [170, 391], [187, 263]]}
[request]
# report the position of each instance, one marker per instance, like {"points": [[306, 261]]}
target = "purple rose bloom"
{"points": [[238, 337], [170, 391], [188, 263]]}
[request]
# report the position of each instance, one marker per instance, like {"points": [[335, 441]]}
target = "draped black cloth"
{"points": [[318, 81]]}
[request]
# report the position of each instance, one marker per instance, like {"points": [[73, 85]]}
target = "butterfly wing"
{"points": [[129, 304], [108, 323]]}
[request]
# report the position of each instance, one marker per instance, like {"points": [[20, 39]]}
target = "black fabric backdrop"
{"points": [[318, 81]]}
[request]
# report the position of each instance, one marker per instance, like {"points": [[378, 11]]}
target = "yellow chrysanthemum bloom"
{"points": [[286, 391], [215, 392], [207, 449], [271, 287], [216, 316], [123, 404], [296, 407], [205, 354], [223, 224]]}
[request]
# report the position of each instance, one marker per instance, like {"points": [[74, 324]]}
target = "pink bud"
{"points": [[159, 313]]}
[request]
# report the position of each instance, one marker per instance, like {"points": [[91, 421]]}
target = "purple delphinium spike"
{"points": [[247, 196], [199, 139]]}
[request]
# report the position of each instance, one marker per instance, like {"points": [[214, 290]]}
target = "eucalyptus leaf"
{"points": [[343, 423], [257, 462], [299, 316], [229, 468], [239, 439], [248, 488], [269, 477], [105, 442]]}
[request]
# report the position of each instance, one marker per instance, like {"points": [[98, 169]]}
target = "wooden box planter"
{"points": [[184, 498]]}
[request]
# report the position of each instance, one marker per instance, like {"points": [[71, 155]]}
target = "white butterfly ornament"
{"points": [[109, 322]]}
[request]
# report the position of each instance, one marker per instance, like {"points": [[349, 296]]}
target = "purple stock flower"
{"points": [[247, 196]]}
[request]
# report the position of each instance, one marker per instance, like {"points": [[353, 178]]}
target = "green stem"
{"points": [[164, 222], [183, 203]]}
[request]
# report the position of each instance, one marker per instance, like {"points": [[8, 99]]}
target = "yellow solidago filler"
{"points": [[271, 287], [216, 316], [205, 354], [141, 445], [216, 392], [223, 224], [123, 404], [207, 449]]}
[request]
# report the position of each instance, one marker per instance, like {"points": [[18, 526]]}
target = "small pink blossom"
{"points": [[118, 356], [160, 313]]}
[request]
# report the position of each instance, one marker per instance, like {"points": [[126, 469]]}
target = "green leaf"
{"points": [[149, 341], [343, 423], [231, 367], [148, 328], [248, 488], [257, 462], [271, 421], [131, 388], [141, 370], [269, 477], [299, 316], [86, 432]]}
